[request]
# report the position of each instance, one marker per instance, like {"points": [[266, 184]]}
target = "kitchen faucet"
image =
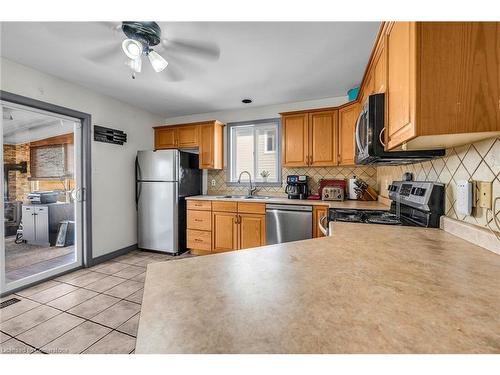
{"points": [[251, 189]]}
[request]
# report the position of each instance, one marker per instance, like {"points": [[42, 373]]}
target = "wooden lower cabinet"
{"points": [[235, 231], [318, 213], [199, 227], [219, 226], [199, 241], [252, 230], [224, 231]]}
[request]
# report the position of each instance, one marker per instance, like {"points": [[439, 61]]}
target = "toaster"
{"points": [[332, 193]]}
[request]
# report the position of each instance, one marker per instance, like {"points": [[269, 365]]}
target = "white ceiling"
{"points": [[274, 62], [22, 126]]}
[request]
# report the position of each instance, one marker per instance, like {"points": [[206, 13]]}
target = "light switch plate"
{"points": [[484, 189], [464, 197]]}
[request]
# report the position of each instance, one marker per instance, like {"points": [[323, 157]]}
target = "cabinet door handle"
{"points": [[197, 240], [198, 220]]}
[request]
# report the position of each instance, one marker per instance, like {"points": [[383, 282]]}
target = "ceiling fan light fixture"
{"points": [[158, 62], [135, 65], [132, 48]]}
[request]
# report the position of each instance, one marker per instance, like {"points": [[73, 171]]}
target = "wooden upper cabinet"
{"points": [[348, 116], [252, 230], [443, 83], [224, 231], [400, 118], [295, 144], [380, 69], [459, 78], [309, 138], [165, 137], [323, 138], [207, 136], [187, 136], [211, 145]]}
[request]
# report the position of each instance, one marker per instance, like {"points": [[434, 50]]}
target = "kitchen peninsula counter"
{"points": [[366, 289]]}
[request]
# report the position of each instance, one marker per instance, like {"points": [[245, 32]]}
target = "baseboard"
{"points": [[113, 254], [471, 233]]}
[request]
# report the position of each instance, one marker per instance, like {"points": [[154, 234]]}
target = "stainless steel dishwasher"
{"points": [[288, 222]]}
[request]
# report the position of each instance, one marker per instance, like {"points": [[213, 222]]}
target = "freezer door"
{"points": [[158, 165], [157, 212], [189, 175]]}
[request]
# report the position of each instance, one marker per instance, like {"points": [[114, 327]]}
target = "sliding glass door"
{"points": [[42, 190]]}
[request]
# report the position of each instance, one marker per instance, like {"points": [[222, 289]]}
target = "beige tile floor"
{"points": [[92, 310]]}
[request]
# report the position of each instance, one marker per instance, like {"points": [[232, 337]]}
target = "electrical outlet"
{"points": [[484, 194], [213, 182], [464, 197]]}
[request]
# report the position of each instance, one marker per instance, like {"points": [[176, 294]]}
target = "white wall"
{"points": [[251, 113], [114, 215]]}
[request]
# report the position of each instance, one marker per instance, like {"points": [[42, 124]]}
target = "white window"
{"points": [[253, 147]]}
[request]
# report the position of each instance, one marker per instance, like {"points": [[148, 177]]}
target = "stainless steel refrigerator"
{"points": [[164, 178]]}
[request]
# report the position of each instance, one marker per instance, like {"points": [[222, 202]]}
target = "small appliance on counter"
{"points": [[43, 197], [296, 186], [414, 203], [332, 193]]}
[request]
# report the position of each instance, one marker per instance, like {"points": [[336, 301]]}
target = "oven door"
{"points": [[362, 137]]}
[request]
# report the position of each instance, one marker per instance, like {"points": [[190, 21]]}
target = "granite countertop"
{"points": [[366, 289], [353, 204]]}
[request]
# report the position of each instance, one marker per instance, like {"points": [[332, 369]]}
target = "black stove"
{"points": [[414, 203]]}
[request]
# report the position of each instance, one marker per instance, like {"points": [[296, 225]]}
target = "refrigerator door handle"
{"points": [[137, 185]]}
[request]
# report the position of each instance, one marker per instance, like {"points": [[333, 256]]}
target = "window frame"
{"points": [[229, 161]]}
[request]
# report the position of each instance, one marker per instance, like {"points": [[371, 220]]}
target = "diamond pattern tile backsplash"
{"points": [[478, 162], [368, 174]]}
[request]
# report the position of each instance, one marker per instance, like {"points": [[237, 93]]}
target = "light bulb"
{"points": [[132, 48], [158, 62], [135, 65]]}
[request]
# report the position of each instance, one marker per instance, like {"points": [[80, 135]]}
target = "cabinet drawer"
{"points": [[200, 240], [201, 220], [224, 206], [199, 205], [251, 208]]}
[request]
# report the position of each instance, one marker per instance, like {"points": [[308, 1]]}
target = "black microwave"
{"points": [[369, 133]]}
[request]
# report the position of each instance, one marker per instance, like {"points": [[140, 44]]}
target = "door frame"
{"points": [[86, 122]]}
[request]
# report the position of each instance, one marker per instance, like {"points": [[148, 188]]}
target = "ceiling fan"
{"points": [[144, 40], [141, 37]]}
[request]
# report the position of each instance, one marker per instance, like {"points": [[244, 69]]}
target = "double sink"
{"points": [[242, 197]]}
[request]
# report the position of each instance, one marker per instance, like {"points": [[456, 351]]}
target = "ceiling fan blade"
{"points": [[84, 30], [106, 53], [203, 50]]}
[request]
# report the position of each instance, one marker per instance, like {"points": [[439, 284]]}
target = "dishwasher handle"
{"points": [[288, 207], [323, 227]]}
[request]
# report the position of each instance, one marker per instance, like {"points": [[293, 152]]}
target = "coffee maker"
{"points": [[296, 186]]}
